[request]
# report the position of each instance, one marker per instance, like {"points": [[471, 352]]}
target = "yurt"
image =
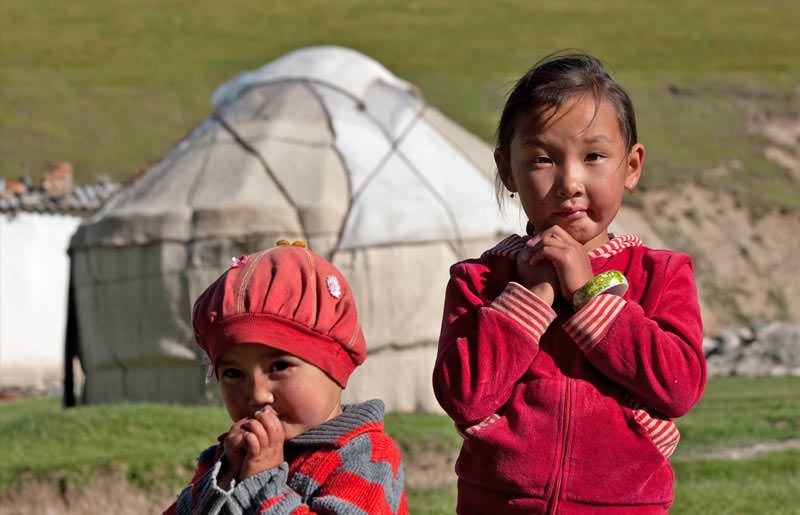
{"points": [[323, 145]]}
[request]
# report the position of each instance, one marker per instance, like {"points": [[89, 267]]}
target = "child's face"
{"points": [[254, 376], [570, 168]]}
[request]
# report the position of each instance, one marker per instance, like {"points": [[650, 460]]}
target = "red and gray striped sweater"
{"points": [[564, 411], [347, 465]]}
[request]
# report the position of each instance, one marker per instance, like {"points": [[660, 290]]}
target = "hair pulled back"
{"points": [[557, 79]]}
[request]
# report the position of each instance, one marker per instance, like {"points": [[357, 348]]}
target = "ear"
{"points": [[504, 170], [634, 167]]}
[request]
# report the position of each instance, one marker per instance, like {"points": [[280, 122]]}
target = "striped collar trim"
{"points": [[616, 245], [353, 417], [511, 246]]}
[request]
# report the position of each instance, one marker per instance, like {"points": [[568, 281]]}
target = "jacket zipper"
{"points": [[567, 421]]}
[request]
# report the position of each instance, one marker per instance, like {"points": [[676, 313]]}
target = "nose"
{"points": [[570, 180], [261, 392]]}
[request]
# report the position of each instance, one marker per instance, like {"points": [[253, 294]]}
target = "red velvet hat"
{"points": [[287, 298]]}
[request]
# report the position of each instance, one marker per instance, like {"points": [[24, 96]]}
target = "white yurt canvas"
{"points": [[324, 145]]}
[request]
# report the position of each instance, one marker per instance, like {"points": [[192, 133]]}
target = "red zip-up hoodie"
{"points": [[564, 411]]}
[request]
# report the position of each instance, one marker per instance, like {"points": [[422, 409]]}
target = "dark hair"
{"points": [[556, 79]]}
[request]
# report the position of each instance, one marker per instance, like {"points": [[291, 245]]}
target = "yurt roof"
{"points": [[342, 68], [323, 143]]}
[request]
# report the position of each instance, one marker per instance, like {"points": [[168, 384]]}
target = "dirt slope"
{"points": [[747, 263]]}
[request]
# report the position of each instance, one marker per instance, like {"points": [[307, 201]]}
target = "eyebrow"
{"points": [[593, 139], [534, 142], [597, 138], [224, 363]]}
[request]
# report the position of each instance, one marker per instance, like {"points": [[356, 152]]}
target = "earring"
{"points": [[512, 194]]}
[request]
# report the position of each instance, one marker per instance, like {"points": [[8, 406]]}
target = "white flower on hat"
{"points": [[334, 288]]}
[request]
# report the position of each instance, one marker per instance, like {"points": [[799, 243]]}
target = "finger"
{"points": [[556, 254], [556, 233], [237, 426], [235, 446], [536, 258], [550, 250], [252, 443], [265, 417], [536, 244], [532, 241], [273, 426], [236, 433], [257, 428], [563, 234], [530, 246]]}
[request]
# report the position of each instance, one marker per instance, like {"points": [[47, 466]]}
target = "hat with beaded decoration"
{"points": [[287, 298]]}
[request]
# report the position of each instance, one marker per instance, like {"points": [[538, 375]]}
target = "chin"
{"points": [[292, 430], [581, 232], [580, 235]]}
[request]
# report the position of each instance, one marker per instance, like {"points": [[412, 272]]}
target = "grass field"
{"points": [[157, 444], [110, 85]]}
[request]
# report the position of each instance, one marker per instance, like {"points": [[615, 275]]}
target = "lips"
{"points": [[570, 214]]}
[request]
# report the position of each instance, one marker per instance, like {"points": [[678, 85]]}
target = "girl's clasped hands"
{"points": [[553, 262]]}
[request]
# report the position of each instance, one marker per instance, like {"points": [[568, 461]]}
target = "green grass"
{"points": [[432, 502], [738, 412], [151, 443], [110, 85], [423, 433], [767, 484], [155, 446]]}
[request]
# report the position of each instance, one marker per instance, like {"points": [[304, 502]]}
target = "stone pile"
{"points": [[768, 349]]}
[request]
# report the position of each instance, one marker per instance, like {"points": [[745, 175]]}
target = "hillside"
{"points": [[111, 85]]}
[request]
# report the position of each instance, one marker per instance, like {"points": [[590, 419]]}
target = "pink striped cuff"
{"points": [[524, 307], [589, 324], [483, 424], [662, 432]]}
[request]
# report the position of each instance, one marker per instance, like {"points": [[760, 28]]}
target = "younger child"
{"points": [[281, 332], [565, 354]]}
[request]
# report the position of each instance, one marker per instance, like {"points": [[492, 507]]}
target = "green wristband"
{"points": [[612, 282]]}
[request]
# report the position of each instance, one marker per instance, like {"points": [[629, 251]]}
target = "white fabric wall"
{"points": [[34, 277]]}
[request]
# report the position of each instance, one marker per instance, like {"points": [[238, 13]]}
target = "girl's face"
{"points": [[254, 376], [570, 167]]}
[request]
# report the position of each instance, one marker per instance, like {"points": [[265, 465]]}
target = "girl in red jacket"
{"points": [[565, 354]]}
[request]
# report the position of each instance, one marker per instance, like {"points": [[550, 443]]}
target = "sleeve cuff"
{"points": [[263, 487], [589, 325], [524, 307], [254, 490]]}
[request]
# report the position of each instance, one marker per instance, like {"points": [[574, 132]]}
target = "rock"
{"points": [[710, 346], [746, 335], [768, 349], [729, 340], [58, 181]]}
